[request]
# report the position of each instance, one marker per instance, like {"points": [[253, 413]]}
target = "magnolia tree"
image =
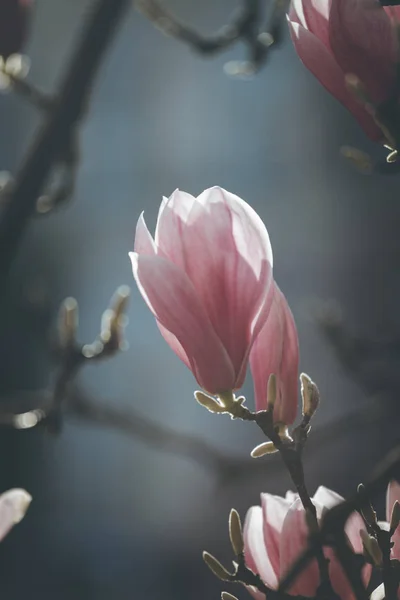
{"points": [[207, 277]]}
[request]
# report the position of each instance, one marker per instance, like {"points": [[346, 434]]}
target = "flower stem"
{"points": [[291, 453]]}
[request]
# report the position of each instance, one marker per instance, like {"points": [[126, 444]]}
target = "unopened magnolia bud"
{"points": [[371, 548], [271, 392], [215, 566], [263, 449], [367, 510], [395, 517], [68, 320], [309, 394], [113, 320], [227, 596], [209, 402], [235, 532]]}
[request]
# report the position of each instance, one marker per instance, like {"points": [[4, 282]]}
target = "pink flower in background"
{"points": [[14, 22], [13, 506], [276, 350], [393, 494], [275, 534], [207, 278], [335, 38]]}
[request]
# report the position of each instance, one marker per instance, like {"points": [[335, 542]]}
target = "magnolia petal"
{"points": [[285, 411], [293, 542], [255, 552], [144, 243], [338, 577], [362, 39], [393, 494], [318, 59], [228, 258], [393, 12], [248, 230], [326, 497], [174, 343], [275, 510], [13, 506], [171, 297], [296, 13], [316, 16], [291, 496], [378, 593], [276, 350], [172, 217]]}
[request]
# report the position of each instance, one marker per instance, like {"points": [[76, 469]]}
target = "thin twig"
{"points": [[245, 24], [241, 23]]}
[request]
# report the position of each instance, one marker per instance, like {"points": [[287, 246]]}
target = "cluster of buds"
{"points": [[310, 402], [241, 572], [381, 538], [111, 336]]}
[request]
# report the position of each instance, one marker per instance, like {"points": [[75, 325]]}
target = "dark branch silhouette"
{"points": [[58, 129], [246, 24]]}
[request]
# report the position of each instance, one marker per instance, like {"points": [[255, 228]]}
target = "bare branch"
{"points": [[245, 24], [59, 127]]}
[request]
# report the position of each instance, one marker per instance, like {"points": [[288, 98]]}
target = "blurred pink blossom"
{"points": [[393, 494], [335, 38], [275, 534], [207, 278], [276, 350], [13, 506]]}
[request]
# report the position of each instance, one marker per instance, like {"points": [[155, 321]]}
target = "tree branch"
{"points": [[61, 124], [245, 24]]}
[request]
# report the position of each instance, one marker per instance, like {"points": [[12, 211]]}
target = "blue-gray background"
{"points": [[112, 517]]}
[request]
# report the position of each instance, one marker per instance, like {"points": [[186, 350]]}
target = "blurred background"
{"points": [[113, 517]]}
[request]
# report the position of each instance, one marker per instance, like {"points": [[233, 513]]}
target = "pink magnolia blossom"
{"points": [[393, 494], [13, 506], [275, 534], [276, 350], [207, 278], [335, 38], [14, 22]]}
